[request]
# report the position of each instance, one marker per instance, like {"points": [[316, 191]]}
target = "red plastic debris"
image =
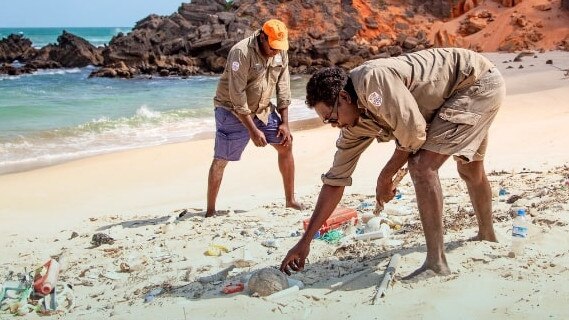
{"points": [[339, 217], [233, 288]]}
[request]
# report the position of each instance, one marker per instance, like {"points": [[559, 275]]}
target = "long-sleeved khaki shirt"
{"points": [[249, 80], [398, 97]]}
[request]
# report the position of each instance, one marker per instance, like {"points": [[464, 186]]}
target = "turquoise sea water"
{"points": [[57, 115]]}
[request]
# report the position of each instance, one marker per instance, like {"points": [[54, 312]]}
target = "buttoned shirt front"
{"points": [[398, 97], [250, 80]]}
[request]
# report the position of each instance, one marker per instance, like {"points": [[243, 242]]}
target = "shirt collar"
{"points": [[254, 43]]}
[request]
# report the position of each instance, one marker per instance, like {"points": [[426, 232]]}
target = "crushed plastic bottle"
{"points": [[520, 226]]}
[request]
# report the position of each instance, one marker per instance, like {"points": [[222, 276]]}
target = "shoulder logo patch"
{"points": [[235, 66], [375, 98]]}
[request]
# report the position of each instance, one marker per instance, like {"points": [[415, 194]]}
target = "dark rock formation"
{"points": [[197, 38], [16, 47], [71, 51]]}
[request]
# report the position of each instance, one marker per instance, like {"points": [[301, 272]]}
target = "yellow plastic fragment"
{"points": [[215, 250]]}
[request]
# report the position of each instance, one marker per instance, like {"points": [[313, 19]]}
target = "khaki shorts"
{"points": [[460, 128]]}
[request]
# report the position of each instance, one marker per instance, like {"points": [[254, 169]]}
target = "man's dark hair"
{"points": [[324, 86]]}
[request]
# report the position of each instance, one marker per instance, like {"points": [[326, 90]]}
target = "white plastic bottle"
{"points": [[519, 233]]}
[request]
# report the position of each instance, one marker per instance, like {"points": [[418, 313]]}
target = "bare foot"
{"points": [[295, 205], [424, 273], [480, 237], [214, 213]]}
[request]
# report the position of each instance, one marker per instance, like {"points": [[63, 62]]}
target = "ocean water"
{"points": [[57, 115]]}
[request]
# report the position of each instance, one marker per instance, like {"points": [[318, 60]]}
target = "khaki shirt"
{"points": [[398, 97], [249, 80]]}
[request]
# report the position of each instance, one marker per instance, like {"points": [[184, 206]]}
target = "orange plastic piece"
{"points": [[340, 216], [47, 277]]}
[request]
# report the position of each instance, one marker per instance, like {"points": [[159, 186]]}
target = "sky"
{"points": [[81, 13]]}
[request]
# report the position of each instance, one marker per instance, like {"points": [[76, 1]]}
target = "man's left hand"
{"points": [[284, 132]]}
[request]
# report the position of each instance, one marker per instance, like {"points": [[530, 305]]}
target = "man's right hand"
{"points": [[385, 190], [295, 258], [258, 138]]}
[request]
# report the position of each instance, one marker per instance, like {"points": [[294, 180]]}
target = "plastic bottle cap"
{"points": [[521, 212]]}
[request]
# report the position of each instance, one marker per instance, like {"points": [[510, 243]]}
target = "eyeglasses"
{"points": [[329, 119]]}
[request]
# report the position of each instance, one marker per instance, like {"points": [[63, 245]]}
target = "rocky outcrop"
{"points": [[197, 38], [70, 51], [16, 47]]}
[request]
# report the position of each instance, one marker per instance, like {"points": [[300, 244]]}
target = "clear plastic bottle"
{"points": [[520, 226]]}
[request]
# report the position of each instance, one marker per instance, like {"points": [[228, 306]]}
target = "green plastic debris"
{"points": [[332, 236]]}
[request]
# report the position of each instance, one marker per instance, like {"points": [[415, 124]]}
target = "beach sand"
{"points": [[151, 202]]}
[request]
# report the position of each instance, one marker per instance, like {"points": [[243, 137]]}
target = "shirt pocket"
{"points": [[256, 72]]}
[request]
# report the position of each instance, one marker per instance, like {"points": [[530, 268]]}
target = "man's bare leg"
{"points": [[481, 197], [423, 167], [286, 167], [213, 183]]}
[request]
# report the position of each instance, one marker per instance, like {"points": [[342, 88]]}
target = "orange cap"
{"points": [[277, 33]]}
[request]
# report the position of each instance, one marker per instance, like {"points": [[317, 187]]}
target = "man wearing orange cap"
{"points": [[256, 67]]}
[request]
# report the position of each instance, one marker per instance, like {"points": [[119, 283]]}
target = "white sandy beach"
{"points": [[130, 195]]}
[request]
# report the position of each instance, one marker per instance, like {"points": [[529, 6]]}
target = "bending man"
{"points": [[434, 103]]}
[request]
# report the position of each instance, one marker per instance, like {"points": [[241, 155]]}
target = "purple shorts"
{"points": [[231, 136]]}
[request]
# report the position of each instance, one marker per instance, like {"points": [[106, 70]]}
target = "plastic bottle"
{"points": [[383, 232], [520, 226]]}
